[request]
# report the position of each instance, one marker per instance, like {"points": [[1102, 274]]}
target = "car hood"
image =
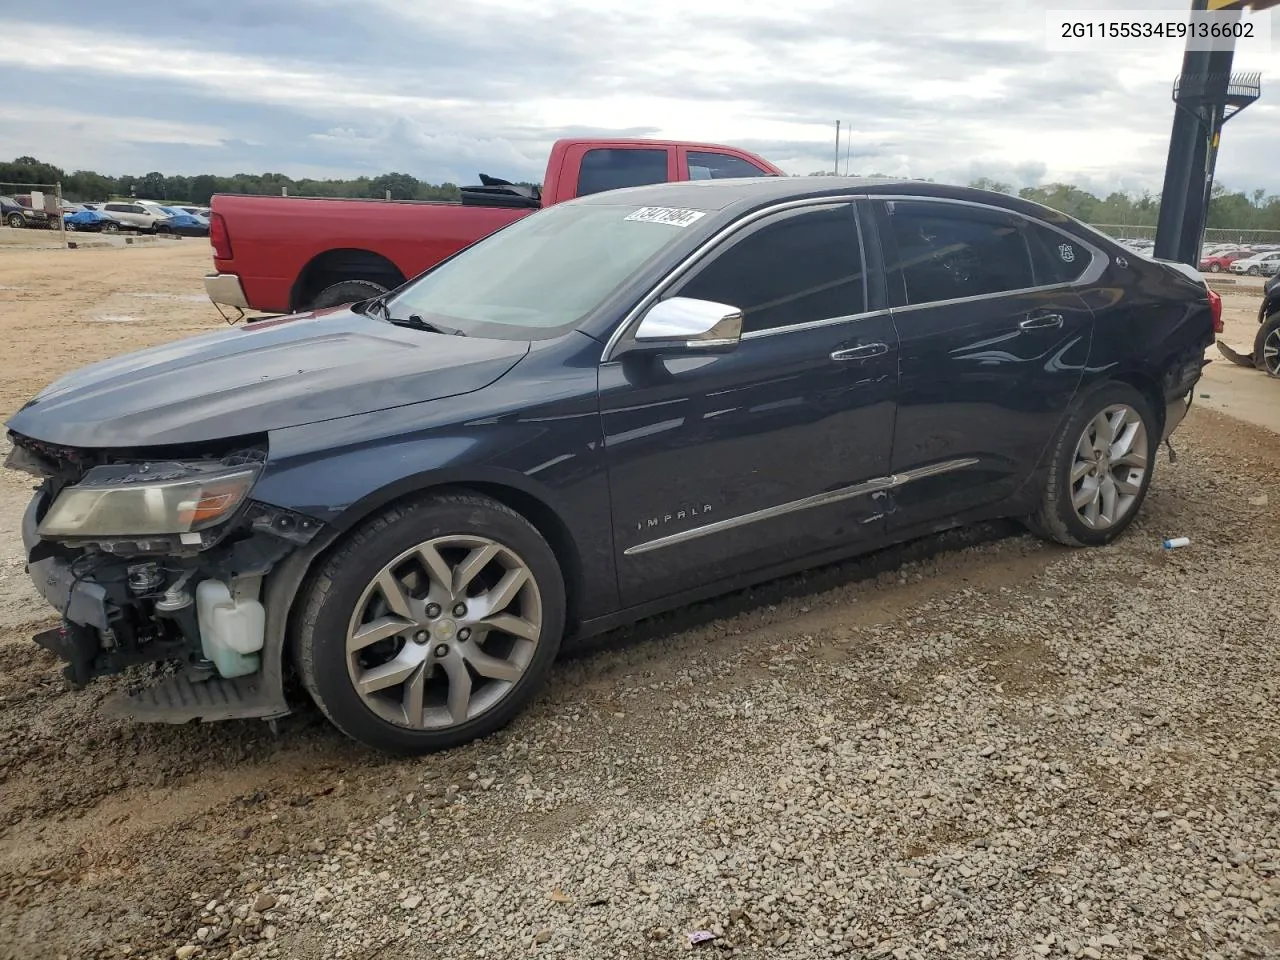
{"points": [[262, 376]]}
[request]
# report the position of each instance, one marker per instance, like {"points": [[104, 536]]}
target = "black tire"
{"points": [[108, 227], [1056, 518], [1268, 329], [345, 292], [1215, 268], [16, 220], [320, 641], [1254, 271]]}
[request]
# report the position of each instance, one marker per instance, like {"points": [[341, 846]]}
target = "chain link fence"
{"points": [[1211, 235]]}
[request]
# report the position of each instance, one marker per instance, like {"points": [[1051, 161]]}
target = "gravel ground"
{"points": [[1001, 749]]}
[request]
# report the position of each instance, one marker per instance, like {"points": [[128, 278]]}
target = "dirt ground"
{"points": [[1126, 804]]}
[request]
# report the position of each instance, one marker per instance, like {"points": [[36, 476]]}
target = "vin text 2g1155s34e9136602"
{"points": [[615, 406]]}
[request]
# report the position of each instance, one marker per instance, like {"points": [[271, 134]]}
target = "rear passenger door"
{"points": [[993, 342]]}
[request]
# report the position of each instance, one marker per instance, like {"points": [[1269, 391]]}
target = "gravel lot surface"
{"points": [[976, 746]]}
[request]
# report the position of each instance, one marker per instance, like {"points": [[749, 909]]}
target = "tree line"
{"points": [[1228, 209]]}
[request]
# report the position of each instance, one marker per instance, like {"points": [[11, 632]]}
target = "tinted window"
{"points": [[795, 268], [1056, 257], [605, 169], [720, 166], [118, 207], [947, 251]]}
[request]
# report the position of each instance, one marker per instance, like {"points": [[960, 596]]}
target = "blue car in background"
{"points": [[86, 219], [182, 223]]}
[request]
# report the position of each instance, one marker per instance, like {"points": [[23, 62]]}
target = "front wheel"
{"points": [[16, 221], [1100, 468], [1266, 346], [434, 624], [1215, 268], [110, 227]]}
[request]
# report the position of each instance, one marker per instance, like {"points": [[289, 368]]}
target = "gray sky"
{"points": [[950, 90]]}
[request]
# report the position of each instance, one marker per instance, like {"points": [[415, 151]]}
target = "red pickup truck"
{"points": [[283, 254]]}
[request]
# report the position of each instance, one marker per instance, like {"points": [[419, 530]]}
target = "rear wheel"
{"points": [[347, 291], [1254, 271], [1100, 468], [1215, 268], [433, 625]]}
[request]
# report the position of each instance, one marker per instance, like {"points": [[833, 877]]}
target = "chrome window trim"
{"points": [[817, 500], [694, 258], [1097, 264], [813, 324]]}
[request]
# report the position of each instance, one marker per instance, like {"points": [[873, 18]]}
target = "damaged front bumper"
{"points": [[119, 611]]}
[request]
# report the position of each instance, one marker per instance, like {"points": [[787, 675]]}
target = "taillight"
{"points": [[218, 237], [1215, 305]]}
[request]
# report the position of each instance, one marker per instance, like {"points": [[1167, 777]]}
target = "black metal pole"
{"points": [[1197, 119]]}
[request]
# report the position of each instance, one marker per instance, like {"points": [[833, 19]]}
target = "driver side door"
{"points": [[728, 463]]}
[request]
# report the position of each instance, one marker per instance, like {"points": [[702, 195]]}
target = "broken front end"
{"points": [[161, 557]]}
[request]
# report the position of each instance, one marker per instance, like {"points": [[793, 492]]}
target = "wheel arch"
{"points": [[338, 264], [291, 578]]}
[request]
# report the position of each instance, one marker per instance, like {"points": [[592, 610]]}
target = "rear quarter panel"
{"points": [[1152, 326]]}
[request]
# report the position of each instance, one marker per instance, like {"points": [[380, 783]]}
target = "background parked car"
{"points": [[94, 221], [181, 223], [1222, 261], [18, 214], [141, 216], [1260, 264]]}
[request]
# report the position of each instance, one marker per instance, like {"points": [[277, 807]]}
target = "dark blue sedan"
{"points": [[182, 224], [618, 405]]}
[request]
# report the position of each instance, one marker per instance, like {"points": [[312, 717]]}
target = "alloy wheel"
{"points": [[1271, 352], [444, 632], [1110, 466]]}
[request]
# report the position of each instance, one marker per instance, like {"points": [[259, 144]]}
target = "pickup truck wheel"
{"points": [[434, 624], [347, 291], [1100, 468]]}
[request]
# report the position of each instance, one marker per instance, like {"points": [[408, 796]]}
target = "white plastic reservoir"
{"points": [[232, 626]]}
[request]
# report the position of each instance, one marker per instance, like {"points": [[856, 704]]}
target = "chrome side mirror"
{"points": [[682, 324]]}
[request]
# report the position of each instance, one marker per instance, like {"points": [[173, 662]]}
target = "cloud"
{"points": [[932, 89]]}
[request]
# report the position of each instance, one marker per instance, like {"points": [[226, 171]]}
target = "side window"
{"points": [[607, 169], [795, 268], [116, 207], [947, 251], [720, 166], [1056, 257], [137, 208]]}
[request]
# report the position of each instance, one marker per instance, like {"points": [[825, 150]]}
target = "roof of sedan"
{"points": [[721, 194]]}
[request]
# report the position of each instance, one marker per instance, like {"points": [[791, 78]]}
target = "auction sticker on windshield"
{"points": [[669, 215]]}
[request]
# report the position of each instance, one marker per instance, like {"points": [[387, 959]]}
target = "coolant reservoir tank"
{"points": [[232, 626]]}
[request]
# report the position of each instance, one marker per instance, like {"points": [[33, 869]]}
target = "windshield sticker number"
{"points": [[668, 215]]}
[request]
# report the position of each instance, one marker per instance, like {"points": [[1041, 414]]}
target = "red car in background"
{"points": [[1221, 262], [285, 254]]}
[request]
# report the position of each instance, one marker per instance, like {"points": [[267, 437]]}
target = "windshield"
{"points": [[543, 274]]}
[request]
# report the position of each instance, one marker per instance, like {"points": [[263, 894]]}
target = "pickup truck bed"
{"points": [[282, 254]]}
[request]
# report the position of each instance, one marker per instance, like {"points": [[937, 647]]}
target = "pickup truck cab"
{"points": [[285, 254]]}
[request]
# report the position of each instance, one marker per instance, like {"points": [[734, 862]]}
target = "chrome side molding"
{"points": [[817, 500]]}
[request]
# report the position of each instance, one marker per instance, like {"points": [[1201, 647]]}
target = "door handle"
{"points": [[864, 352], [1040, 321]]}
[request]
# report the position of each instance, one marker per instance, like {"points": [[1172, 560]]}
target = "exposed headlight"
{"points": [[133, 500]]}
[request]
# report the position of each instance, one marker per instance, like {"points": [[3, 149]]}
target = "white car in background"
{"points": [[1259, 265], [139, 214]]}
